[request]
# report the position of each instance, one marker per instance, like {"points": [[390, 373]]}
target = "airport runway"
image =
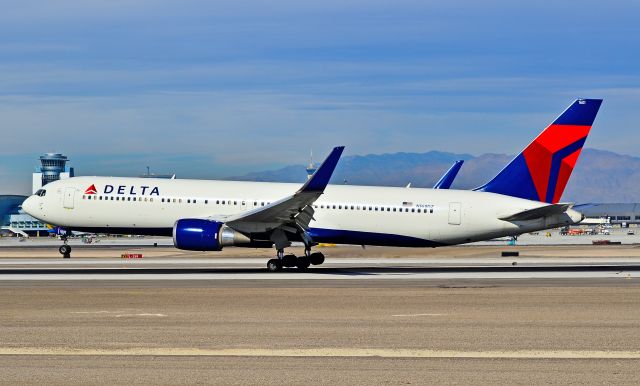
{"points": [[459, 317]]}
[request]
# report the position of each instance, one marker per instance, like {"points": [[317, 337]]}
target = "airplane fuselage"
{"points": [[346, 214]]}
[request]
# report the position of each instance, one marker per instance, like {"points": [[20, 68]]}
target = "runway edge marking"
{"points": [[326, 352]]}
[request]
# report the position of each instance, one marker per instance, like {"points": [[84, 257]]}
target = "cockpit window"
{"points": [[41, 192]]}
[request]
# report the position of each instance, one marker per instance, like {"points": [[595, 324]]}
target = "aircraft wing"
{"points": [[543, 211], [291, 213]]}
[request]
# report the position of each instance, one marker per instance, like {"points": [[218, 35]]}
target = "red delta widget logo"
{"points": [[125, 189], [91, 190]]}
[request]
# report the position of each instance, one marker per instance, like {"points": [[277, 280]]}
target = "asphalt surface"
{"points": [[381, 321]]}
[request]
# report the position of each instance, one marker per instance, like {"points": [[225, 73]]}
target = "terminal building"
{"points": [[615, 214]]}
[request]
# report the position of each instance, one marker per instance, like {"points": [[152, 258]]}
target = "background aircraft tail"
{"points": [[447, 179], [541, 171]]}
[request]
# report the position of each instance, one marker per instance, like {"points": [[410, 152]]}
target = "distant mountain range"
{"points": [[599, 176]]}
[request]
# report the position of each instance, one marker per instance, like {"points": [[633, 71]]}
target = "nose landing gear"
{"points": [[65, 249]]}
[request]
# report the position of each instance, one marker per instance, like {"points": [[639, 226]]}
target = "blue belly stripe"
{"points": [[338, 236], [319, 235]]}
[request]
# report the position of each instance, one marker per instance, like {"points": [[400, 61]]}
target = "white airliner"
{"points": [[209, 215]]}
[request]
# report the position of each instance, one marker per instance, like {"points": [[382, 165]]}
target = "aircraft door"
{"points": [[455, 213], [69, 197]]}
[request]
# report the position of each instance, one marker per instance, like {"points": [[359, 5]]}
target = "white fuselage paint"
{"points": [[66, 204]]}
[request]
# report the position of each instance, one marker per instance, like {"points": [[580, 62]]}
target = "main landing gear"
{"points": [[289, 261]]}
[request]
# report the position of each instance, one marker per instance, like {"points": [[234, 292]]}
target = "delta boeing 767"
{"points": [[205, 215]]}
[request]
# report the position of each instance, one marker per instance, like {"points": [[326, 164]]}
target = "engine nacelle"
{"points": [[196, 234]]}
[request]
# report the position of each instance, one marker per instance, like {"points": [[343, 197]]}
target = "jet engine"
{"points": [[195, 234]]}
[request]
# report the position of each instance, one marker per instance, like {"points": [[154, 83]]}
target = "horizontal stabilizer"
{"points": [[540, 212]]}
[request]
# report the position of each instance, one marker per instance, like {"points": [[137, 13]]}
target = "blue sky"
{"points": [[211, 89]]}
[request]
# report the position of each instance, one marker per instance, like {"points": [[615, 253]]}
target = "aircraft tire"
{"points": [[274, 265], [316, 258], [289, 261], [64, 249], [303, 262]]}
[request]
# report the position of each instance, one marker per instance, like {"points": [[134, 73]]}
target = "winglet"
{"points": [[447, 179], [320, 179]]}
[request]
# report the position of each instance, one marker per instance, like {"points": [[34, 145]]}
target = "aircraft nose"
{"points": [[29, 205]]}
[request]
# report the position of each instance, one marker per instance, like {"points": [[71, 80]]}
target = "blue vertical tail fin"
{"points": [[541, 171]]}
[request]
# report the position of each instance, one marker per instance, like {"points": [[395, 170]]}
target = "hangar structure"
{"points": [[13, 221]]}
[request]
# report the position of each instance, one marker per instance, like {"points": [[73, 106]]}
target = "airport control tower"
{"points": [[312, 167], [53, 166]]}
